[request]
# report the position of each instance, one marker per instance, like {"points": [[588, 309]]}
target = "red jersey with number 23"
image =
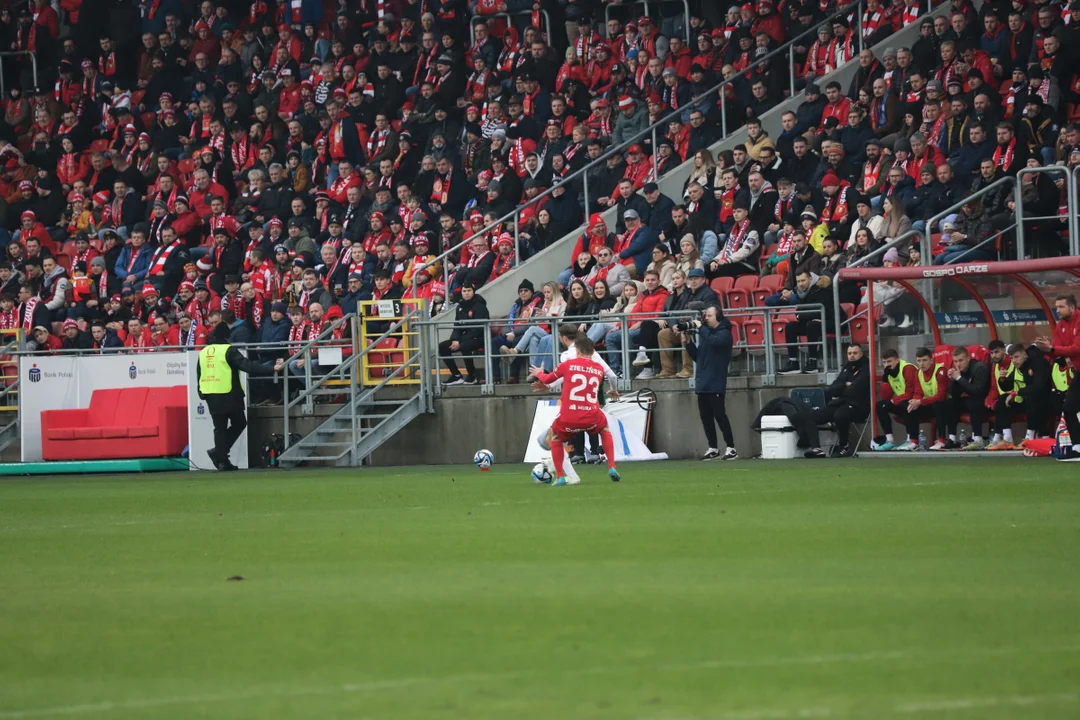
{"points": [[580, 401]]}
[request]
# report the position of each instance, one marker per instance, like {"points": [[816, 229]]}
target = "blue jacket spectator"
{"points": [[133, 262], [639, 251]]}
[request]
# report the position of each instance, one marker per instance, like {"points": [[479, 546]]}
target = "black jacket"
{"points": [[237, 363], [852, 387], [711, 351], [475, 309], [973, 382], [1036, 374]]}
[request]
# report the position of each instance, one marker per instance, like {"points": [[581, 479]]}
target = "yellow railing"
{"points": [[9, 371], [375, 317]]}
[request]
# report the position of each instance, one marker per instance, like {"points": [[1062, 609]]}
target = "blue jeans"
{"points": [[615, 345], [598, 331], [951, 255], [776, 300], [543, 355], [565, 276], [918, 226], [529, 343]]}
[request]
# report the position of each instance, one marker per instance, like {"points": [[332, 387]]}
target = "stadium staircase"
{"points": [[383, 387]]}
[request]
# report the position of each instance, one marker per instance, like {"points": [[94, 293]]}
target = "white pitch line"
{"points": [[762, 714], [914, 708]]}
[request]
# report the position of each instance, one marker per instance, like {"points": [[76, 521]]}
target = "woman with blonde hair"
{"points": [[704, 170], [624, 306], [689, 257]]}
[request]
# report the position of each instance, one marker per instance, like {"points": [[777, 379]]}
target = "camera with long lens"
{"points": [[691, 325]]}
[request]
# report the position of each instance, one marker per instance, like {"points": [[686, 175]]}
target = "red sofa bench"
{"points": [[120, 423]]}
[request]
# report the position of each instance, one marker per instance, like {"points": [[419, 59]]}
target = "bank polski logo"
{"points": [[133, 372], [201, 409], [35, 373]]}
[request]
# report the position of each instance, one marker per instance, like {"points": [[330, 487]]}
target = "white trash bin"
{"points": [[778, 438]]}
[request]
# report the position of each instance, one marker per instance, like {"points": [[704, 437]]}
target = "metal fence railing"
{"points": [[755, 333]]}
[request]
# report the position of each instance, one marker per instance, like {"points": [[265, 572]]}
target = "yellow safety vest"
{"points": [[1017, 378], [215, 375], [929, 387], [898, 384], [1060, 377]]}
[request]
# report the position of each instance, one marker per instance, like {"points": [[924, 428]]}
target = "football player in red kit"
{"points": [[579, 406]]}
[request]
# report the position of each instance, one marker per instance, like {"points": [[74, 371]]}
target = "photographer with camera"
{"points": [[708, 342]]}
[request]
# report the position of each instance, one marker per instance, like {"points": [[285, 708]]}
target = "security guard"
{"points": [[218, 375]]}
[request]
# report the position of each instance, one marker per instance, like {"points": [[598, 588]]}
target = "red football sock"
{"points": [[557, 457], [609, 447]]}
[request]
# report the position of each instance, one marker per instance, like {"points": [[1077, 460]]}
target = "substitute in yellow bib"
{"points": [[218, 375]]}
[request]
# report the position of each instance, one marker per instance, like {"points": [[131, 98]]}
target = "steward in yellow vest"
{"points": [[218, 374]]}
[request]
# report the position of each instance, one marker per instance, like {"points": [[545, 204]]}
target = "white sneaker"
{"points": [[729, 454], [939, 445], [905, 323], [642, 358], [646, 374], [886, 321], [907, 447]]}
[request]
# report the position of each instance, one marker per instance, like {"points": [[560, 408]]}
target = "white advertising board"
{"points": [[45, 383], [627, 421]]}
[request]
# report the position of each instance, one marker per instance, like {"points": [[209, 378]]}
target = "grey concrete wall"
{"points": [[465, 421]]}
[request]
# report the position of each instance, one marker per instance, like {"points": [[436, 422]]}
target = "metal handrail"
{"points": [[1070, 191], [345, 365], [623, 320], [953, 209], [515, 214], [895, 242]]}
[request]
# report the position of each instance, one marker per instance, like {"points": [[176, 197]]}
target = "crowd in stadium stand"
{"points": [[279, 163]]}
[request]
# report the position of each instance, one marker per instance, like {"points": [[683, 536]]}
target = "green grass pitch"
{"points": [[742, 591]]}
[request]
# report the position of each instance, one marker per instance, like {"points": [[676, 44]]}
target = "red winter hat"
{"points": [[438, 287], [28, 214], [830, 180], [149, 289], [26, 185], [506, 239], [626, 102], [635, 148], [187, 285], [101, 198]]}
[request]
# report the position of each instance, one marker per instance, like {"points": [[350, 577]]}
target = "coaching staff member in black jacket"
{"points": [[709, 342], [218, 374], [847, 400]]}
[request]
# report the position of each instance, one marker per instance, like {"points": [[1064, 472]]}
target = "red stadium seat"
{"points": [[100, 145], [64, 261], [943, 355], [149, 120], [766, 253], [186, 166], [753, 330], [721, 285], [68, 247], [779, 330], [767, 285], [381, 360], [137, 97], [740, 295], [978, 352]]}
